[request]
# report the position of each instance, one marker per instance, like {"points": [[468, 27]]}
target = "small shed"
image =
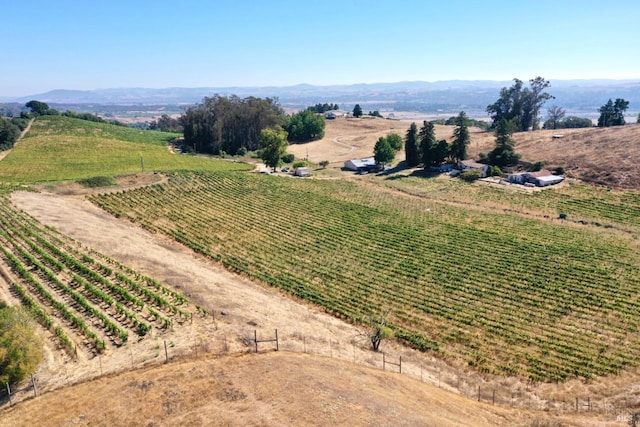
{"points": [[544, 181], [302, 172]]}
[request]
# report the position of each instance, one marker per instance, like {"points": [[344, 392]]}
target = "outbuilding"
{"points": [[472, 164], [360, 164]]}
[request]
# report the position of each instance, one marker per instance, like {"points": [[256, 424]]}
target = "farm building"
{"points": [[302, 172], [360, 164], [541, 178], [471, 164], [334, 114]]}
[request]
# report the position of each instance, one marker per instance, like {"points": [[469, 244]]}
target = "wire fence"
{"points": [[164, 351]]}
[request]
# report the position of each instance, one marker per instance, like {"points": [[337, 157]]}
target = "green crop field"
{"points": [[508, 294], [61, 148], [477, 273], [86, 300]]}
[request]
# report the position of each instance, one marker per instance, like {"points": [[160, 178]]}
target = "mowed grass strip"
{"points": [[60, 148], [504, 293]]}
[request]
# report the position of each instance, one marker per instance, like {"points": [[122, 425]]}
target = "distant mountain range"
{"points": [[452, 96]]}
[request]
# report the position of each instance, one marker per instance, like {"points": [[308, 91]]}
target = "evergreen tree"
{"points": [[428, 143], [612, 114], [461, 138], [411, 146], [503, 154], [357, 111]]}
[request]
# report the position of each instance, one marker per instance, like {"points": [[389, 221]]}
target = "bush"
{"points": [[288, 158], [242, 151], [559, 170], [470, 175], [300, 164], [538, 166], [20, 347], [495, 171], [97, 181]]}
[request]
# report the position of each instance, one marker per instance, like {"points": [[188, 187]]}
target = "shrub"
{"points": [[300, 164], [470, 175], [288, 158], [495, 171], [97, 181], [538, 166], [559, 170], [242, 151]]}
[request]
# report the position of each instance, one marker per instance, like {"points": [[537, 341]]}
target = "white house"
{"points": [[471, 164], [360, 164]]}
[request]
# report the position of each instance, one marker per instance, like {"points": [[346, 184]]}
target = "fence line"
{"points": [[331, 348]]}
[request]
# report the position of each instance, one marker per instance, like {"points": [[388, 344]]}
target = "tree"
{"points": [[638, 119], [520, 104], [357, 111], [379, 330], [305, 126], [9, 133], [273, 142], [395, 141], [20, 347], [461, 138], [226, 124], [428, 142], [612, 114], [166, 123], [38, 108], [503, 154], [411, 150], [555, 114], [383, 152], [324, 163]]}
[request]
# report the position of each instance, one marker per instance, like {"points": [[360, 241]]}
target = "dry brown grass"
{"points": [[608, 157], [272, 389]]}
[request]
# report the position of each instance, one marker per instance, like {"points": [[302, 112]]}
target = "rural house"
{"points": [[472, 164]]}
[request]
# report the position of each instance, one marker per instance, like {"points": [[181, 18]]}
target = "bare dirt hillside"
{"points": [[269, 389]]}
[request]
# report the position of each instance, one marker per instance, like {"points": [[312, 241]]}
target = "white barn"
{"points": [[360, 164]]}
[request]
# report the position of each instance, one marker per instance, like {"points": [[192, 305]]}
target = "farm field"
{"points": [[59, 148], [507, 294], [480, 277], [90, 303]]}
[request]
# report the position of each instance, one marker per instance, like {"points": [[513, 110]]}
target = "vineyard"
{"points": [[87, 301], [61, 148], [507, 294]]}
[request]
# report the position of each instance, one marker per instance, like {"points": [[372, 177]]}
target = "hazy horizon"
{"points": [[76, 45]]}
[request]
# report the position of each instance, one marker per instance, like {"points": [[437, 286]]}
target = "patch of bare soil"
{"points": [[268, 389]]}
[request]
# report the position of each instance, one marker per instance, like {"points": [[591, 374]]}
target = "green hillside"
{"points": [[61, 148]]}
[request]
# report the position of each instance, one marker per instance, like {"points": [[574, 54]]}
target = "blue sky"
{"points": [[67, 44]]}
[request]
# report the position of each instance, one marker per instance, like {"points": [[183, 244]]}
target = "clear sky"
{"points": [[68, 44]]}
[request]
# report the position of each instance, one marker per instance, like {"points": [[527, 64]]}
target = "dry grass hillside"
{"points": [[608, 157], [270, 389]]}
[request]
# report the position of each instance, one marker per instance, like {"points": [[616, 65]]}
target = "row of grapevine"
{"points": [[507, 293], [74, 291]]}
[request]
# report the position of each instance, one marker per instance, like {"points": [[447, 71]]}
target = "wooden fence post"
{"points": [[9, 393], [478, 393], [166, 353], [277, 342], [33, 382]]}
